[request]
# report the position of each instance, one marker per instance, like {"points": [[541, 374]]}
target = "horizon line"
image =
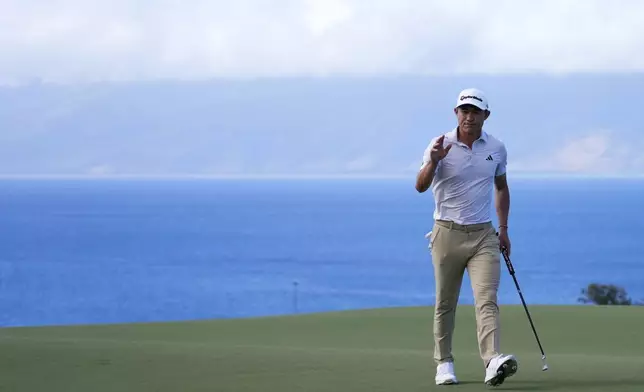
{"points": [[341, 176]]}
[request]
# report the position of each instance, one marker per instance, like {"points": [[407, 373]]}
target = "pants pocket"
{"points": [[432, 235]]}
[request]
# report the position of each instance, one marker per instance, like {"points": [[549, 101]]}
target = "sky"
{"points": [[314, 87]]}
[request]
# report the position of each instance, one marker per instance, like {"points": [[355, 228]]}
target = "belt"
{"points": [[467, 228]]}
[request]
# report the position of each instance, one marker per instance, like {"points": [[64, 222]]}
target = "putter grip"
{"points": [[507, 259]]}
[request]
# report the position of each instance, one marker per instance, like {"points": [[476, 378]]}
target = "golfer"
{"points": [[463, 167]]}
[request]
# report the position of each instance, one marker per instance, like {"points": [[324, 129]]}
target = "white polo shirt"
{"points": [[464, 179]]}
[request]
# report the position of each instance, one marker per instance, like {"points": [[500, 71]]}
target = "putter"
{"points": [[504, 251]]}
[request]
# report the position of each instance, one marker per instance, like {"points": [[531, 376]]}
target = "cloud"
{"points": [[598, 153], [589, 153], [90, 40], [362, 164], [100, 170]]}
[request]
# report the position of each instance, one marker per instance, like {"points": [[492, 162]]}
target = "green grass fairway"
{"points": [[588, 348]]}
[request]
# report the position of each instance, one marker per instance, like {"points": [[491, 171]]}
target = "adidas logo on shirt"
{"points": [[489, 158]]}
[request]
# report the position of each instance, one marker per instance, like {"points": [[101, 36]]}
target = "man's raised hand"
{"points": [[439, 152]]}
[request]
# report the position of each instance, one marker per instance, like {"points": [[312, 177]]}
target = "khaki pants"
{"points": [[454, 249]]}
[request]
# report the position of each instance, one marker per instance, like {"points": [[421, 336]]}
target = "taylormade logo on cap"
{"points": [[464, 97], [472, 96]]}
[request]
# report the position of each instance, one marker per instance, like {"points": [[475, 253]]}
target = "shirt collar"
{"points": [[452, 137]]}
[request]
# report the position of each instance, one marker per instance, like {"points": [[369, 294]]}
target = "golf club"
{"points": [[504, 251]]}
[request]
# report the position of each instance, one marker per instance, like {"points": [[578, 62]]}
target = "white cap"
{"points": [[472, 96]]}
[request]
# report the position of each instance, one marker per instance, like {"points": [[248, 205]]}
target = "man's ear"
{"points": [[487, 114]]}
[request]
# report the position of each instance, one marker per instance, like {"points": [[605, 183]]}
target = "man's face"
{"points": [[470, 118]]}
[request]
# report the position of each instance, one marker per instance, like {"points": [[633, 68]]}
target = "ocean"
{"points": [[112, 251]]}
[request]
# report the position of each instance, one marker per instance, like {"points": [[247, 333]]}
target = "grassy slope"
{"points": [[374, 350]]}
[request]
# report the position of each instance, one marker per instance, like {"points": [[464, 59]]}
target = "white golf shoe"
{"points": [[445, 374], [500, 367]]}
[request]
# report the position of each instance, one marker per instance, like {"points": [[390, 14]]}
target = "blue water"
{"points": [[81, 252]]}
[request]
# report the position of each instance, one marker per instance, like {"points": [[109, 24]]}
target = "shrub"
{"points": [[604, 294]]}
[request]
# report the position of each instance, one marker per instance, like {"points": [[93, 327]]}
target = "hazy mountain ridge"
{"points": [[289, 126]]}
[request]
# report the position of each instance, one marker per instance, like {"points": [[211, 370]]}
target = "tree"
{"points": [[604, 294]]}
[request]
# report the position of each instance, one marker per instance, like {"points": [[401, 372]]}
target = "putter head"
{"points": [[545, 365]]}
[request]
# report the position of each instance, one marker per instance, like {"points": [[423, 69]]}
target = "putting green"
{"points": [[589, 348]]}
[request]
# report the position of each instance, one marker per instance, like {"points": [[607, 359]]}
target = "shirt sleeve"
{"points": [[501, 168]]}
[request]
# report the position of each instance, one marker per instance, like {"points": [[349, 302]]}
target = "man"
{"points": [[462, 167]]}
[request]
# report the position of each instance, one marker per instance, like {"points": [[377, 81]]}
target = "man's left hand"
{"points": [[504, 240]]}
